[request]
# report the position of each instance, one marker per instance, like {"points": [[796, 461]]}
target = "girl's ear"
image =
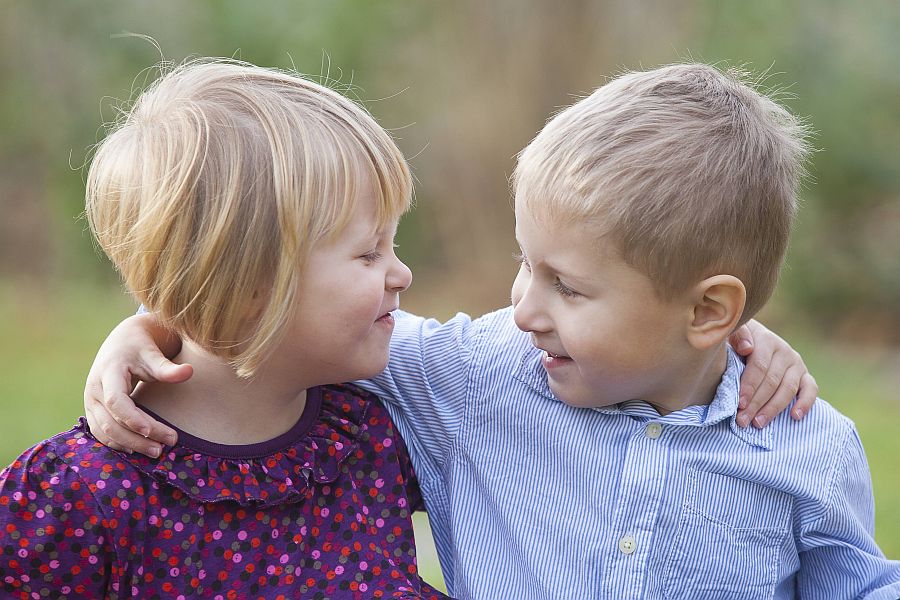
{"points": [[718, 306]]}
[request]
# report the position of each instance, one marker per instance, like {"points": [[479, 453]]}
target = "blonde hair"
{"points": [[211, 190], [688, 170]]}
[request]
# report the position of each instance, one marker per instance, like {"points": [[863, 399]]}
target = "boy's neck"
{"points": [[698, 382], [218, 406]]}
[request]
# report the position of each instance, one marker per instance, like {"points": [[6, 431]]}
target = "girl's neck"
{"points": [[218, 406]]}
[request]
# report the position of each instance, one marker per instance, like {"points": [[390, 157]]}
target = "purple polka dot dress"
{"points": [[322, 511]]}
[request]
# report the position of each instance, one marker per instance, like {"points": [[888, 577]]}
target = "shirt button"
{"points": [[653, 430], [627, 545]]}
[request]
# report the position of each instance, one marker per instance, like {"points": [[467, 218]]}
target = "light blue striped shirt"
{"points": [[531, 498]]}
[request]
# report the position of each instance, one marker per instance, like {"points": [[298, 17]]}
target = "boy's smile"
{"points": [[606, 335]]}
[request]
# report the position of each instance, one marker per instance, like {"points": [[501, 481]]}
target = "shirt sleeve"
{"points": [[838, 554], [54, 541], [424, 387]]}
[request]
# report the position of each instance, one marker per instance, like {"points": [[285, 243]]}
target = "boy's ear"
{"points": [[718, 305]]}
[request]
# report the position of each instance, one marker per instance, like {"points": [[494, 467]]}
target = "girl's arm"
{"points": [[139, 347], [775, 374], [49, 520]]}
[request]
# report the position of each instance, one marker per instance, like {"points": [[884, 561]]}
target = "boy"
{"points": [[584, 443]]}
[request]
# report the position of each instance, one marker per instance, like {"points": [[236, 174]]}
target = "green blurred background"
{"points": [[463, 85]]}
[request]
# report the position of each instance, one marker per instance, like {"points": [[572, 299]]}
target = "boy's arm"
{"points": [[139, 346], [424, 386], [838, 554], [137, 349]]}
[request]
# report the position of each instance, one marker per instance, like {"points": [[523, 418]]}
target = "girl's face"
{"points": [[349, 286]]}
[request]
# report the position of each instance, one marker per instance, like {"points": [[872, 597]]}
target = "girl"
{"points": [[254, 213]]}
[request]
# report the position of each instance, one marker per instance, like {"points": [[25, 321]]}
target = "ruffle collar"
{"points": [[309, 454]]}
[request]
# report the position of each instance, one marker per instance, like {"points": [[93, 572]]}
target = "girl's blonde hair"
{"points": [[211, 190], [688, 170]]}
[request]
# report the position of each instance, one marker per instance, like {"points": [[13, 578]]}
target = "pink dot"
{"points": [[338, 446], [270, 569], [363, 587], [284, 558], [236, 558], [54, 564], [379, 523], [92, 559], [217, 534], [363, 566], [242, 535], [124, 504], [79, 532], [275, 533], [339, 570], [379, 483], [387, 443], [39, 514], [66, 590], [325, 512], [101, 485], [178, 526], [316, 554], [173, 572], [126, 484]]}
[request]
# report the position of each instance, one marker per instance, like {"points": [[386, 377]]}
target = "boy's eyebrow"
{"points": [[568, 275]]}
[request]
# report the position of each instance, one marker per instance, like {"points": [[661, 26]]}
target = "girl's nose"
{"points": [[399, 277]]}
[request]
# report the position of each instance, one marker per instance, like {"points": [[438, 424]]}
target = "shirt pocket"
{"points": [[730, 538]]}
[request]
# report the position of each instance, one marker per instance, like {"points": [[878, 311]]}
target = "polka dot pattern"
{"points": [[329, 516]]}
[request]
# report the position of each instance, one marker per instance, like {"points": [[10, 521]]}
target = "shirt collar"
{"points": [[723, 407]]}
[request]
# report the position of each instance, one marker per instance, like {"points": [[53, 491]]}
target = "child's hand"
{"points": [[774, 375], [130, 353]]}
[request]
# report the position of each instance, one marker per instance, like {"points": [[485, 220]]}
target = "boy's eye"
{"points": [[564, 290]]}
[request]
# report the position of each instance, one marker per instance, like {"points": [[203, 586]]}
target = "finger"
{"points": [[781, 399], [764, 380], [154, 366], [123, 410], [806, 397], [742, 340], [112, 434]]}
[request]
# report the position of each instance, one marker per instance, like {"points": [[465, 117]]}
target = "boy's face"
{"points": [[606, 335]]}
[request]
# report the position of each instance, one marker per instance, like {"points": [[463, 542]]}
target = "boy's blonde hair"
{"points": [[687, 170], [210, 192]]}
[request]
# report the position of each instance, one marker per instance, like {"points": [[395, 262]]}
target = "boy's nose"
{"points": [[527, 312]]}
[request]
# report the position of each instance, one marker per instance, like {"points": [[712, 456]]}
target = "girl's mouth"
{"points": [[554, 361]]}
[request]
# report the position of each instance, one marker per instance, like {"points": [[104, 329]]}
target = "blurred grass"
{"points": [[51, 337]]}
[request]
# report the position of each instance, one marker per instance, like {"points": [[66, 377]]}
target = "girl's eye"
{"points": [[371, 257], [564, 290], [520, 258]]}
